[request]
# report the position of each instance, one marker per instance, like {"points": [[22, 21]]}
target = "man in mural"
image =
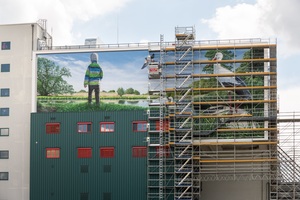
{"points": [[93, 76]]}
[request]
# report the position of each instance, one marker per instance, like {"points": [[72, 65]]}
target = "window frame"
{"points": [[5, 67], [135, 126], [87, 127], [52, 155], [84, 152], [1, 133], [103, 152], [51, 128], [2, 93], [6, 45], [110, 130], [139, 151]]}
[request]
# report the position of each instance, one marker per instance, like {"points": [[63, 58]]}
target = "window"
{"points": [[107, 152], [4, 154], [107, 126], [5, 46], [5, 67], [52, 128], [4, 111], [165, 149], [4, 92], [139, 152], [3, 176], [4, 132], [52, 152], [84, 127], [106, 168], [84, 169], [139, 126], [106, 196], [84, 152], [84, 196]]}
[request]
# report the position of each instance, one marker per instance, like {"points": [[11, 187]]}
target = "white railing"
{"points": [[150, 45]]}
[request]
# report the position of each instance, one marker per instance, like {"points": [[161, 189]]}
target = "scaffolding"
{"points": [[287, 184], [215, 117]]}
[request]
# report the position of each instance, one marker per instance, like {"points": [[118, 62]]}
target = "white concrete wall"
{"points": [[19, 81]]}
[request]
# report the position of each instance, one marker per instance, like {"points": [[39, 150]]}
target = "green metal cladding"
{"points": [[95, 178]]}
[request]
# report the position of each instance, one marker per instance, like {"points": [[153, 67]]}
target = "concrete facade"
{"points": [[23, 39]]}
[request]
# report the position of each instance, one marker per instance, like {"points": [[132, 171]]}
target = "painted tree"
{"points": [[120, 92], [50, 78]]}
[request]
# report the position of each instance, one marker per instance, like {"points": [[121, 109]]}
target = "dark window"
{"points": [[3, 176], [52, 152], [5, 67], [4, 154], [52, 128], [5, 46], [107, 126], [84, 152], [106, 196], [4, 92], [84, 127], [4, 132], [4, 111], [107, 152], [139, 126], [84, 196], [84, 168], [106, 168], [139, 152], [165, 151]]}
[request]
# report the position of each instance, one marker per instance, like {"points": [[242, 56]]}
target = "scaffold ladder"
{"points": [[161, 126], [183, 149]]}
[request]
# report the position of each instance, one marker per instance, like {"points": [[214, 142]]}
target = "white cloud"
{"points": [[61, 14], [265, 19]]}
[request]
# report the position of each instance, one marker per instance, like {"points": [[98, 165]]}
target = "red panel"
{"points": [[52, 128], [107, 152], [139, 152], [84, 152]]}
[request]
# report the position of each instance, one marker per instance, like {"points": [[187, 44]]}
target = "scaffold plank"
{"points": [[235, 143], [232, 102], [227, 61], [240, 160], [245, 129], [235, 46], [227, 75]]}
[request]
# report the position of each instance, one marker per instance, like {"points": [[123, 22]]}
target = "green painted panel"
{"points": [[69, 177]]}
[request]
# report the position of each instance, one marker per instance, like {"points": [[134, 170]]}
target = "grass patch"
{"points": [[79, 107]]}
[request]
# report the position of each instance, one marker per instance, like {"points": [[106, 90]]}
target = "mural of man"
{"points": [[93, 76]]}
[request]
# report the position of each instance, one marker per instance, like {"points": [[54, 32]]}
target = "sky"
{"points": [[70, 22]]}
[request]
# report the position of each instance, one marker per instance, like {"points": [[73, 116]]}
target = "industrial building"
{"points": [[215, 131], [17, 83]]}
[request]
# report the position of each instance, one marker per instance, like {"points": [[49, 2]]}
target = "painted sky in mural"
{"points": [[121, 69]]}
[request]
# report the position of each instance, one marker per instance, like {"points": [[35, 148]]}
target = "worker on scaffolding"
{"points": [[93, 76]]}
